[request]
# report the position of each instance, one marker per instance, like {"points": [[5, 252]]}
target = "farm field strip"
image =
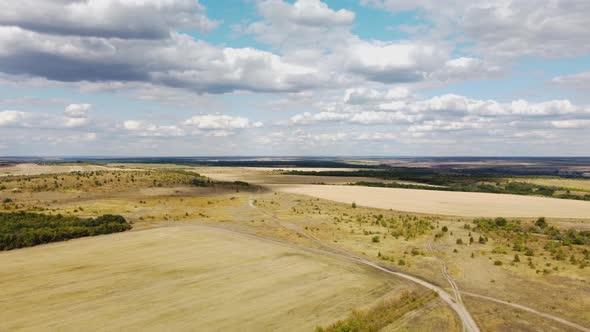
{"points": [[445, 203]]}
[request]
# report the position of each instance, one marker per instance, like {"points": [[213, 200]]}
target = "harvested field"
{"points": [[181, 278], [36, 169], [445, 203], [258, 175], [572, 184]]}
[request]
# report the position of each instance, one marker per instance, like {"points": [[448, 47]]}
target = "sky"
{"points": [[303, 77]]}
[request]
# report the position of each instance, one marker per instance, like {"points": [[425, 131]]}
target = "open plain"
{"points": [[184, 277], [446, 203], [209, 251]]}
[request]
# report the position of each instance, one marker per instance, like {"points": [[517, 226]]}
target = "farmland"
{"points": [[231, 242]]}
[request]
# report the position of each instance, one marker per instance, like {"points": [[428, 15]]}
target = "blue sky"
{"points": [[304, 77]]}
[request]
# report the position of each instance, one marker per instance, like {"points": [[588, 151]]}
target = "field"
{"points": [[445, 203], [284, 254], [175, 278], [269, 176], [572, 184], [36, 169]]}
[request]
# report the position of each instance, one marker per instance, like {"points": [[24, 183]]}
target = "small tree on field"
{"points": [[353, 205], [516, 259]]}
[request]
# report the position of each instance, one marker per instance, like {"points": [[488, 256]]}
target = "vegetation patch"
{"points": [[537, 238], [21, 229], [380, 316]]}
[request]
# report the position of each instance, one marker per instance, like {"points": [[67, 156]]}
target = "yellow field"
{"points": [[180, 278], [572, 184], [445, 203], [36, 169]]}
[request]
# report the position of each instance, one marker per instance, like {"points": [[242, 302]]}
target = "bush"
{"points": [[498, 263], [459, 241], [541, 222], [375, 239]]}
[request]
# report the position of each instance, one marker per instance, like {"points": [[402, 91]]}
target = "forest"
{"points": [[24, 229]]}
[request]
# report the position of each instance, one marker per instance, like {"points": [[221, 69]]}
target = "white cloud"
{"points": [[13, 118], [507, 28], [212, 125], [77, 110], [179, 61], [393, 61], [464, 68], [571, 124], [302, 24], [219, 122], [580, 81], [145, 19], [364, 95], [141, 128]]}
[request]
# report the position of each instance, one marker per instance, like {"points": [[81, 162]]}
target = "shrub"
{"points": [[541, 222], [498, 263], [375, 239]]}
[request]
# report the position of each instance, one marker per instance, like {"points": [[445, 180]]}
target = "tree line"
{"points": [[25, 229]]}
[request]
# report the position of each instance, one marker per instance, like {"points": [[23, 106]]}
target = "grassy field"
{"points": [[445, 203], [582, 185], [36, 169], [172, 272], [274, 176], [181, 278], [393, 239]]}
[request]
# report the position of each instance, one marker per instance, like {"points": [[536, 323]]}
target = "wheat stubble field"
{"points": [[180, 278], [445, 203]]}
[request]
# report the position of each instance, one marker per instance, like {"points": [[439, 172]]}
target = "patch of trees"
{"points": [[23, 229]]}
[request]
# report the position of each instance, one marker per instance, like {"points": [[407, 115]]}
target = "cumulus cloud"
{"points": [[465, 68], [142, 128], [365, 95], [508, 28], [77, 110], [179, 61], [571, 124], [217, 121], [198, 125], [302, 24], [579, 81], [146, 19], [13, 118], [75, 116]]}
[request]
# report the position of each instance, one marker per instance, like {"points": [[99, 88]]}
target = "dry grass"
{"points": [[36, 169], [180, 278], [445, 203], [556, 293], [582, 185]]}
